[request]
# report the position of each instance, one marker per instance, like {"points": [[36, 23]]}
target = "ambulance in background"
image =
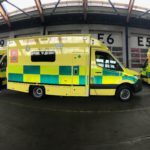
{"points": [[3, 65], [145, 74], [68, 65]]}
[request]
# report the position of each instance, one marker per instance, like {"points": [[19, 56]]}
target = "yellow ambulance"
{"points": [[68, 65], [145, 74], [3, 64]]}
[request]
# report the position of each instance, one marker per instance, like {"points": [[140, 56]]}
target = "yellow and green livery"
{"points": [[67, 65], [3, 64], [145, 74]]}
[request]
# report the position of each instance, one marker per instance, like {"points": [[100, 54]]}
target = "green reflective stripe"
{"points": [[130, 78], [107, 72], [65, 70], [31, 70], [148, 74], [15, 77], [82, 80], [49, 79], [98, 80]]}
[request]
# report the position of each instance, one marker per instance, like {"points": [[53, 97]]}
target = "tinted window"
{"points": [[4, 61], [3, 64], [0, 57], [43, 56], [105, 60]]}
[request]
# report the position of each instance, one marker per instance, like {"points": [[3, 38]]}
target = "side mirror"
{"points": [[141, 66]]}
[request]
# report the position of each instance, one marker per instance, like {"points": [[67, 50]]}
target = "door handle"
{"points": [[98, 72], [75, 71]]}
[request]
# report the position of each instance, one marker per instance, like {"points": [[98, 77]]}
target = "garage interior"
{"points": [[89, 123]]}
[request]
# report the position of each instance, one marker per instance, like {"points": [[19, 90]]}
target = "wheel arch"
{"points": [[125, 84], [122, 86], [32, 86]]}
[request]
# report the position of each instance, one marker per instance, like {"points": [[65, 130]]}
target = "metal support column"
{"points": [[127, 46], [44, 30]]}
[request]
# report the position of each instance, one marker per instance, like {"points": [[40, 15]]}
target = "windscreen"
{"points": [[122, 66]]}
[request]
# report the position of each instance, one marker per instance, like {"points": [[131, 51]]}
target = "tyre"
{"points": [[124, 93], [37, 92]]}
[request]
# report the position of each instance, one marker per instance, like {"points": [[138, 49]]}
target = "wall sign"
{"points": [[2, 43], [113, 40], [143, 41], [110, 38], [106, 38], [140, 41], [139, 45]]}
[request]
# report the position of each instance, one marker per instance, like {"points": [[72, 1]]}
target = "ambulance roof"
{"points": [[98, 44], [57, 39]]}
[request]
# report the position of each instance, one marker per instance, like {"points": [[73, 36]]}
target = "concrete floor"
{"points": [[64, 123]]}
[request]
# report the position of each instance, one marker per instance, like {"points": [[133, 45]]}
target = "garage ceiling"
{"points": [[13, 10]]}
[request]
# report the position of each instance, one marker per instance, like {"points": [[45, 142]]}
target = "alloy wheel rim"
{"points": [[125, 94]]}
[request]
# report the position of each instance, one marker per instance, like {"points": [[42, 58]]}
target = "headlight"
{"points": [[138, 76]]}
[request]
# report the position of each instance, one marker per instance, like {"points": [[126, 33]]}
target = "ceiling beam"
{"points": [[112, 5], [130, 8], [4, 15], [18, 8], [85, 7], [40, 9], [55, 7], [143, 14]]}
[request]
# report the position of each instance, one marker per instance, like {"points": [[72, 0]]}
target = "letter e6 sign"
{"points": [[14, 56]]}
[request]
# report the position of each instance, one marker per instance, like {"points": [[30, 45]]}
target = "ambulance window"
{"points": [[43, 56], [4, 62], [105, 60]]}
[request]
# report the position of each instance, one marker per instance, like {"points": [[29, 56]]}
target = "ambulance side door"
{"points": [[80, 74], [3, 65], [106, 73]]}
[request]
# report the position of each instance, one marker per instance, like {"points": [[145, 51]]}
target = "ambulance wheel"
{"points": [[38, 92], [124, 93]]}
